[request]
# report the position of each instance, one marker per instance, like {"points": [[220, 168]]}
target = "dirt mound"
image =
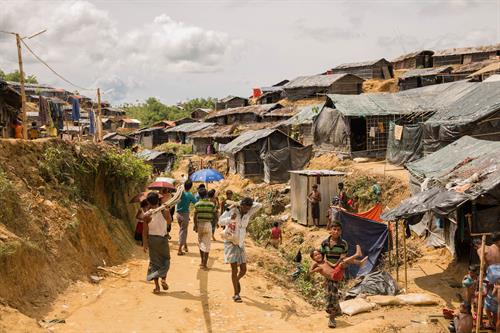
{"points": [[64, 211]]}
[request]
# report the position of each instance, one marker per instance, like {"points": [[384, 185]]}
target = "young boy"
{"points": [[315, 198], [275, 239], [334, 248], [463, 319], [471, 284], [335, 272]]}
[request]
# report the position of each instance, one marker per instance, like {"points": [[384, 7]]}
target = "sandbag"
{"points": [[417, 299], [384, 300], [354, 306]]}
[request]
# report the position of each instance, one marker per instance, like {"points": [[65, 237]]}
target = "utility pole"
{"points": [[99, 122], [23, 92], [24, 115]]}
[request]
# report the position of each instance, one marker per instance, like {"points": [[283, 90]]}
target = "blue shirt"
{"points": [[187, 198]]}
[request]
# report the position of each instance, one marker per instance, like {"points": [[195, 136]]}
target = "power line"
{"points": [[53, 70]]}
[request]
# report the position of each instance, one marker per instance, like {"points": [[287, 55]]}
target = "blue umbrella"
{"points": [[206, 176]]}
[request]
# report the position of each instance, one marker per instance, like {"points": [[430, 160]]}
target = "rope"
{"points": [[53, 70]]}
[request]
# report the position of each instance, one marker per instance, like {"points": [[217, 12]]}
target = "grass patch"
{"points": [[9, 200], [9, 248]]}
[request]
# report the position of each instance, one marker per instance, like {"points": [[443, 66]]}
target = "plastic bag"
{"points": [[229, 233], [417, 299], [357, 305]]}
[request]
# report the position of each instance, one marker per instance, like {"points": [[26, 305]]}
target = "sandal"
{"points": [[237, 299], [180, 253], [156, 291], [332, 323], [164, 285]]}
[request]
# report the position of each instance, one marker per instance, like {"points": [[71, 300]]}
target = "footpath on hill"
{"points": [[199, 301]]}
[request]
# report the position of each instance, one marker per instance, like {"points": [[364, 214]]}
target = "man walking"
{"points": [[187, 199], [204, 214]]}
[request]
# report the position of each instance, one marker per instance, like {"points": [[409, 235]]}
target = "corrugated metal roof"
{"points": [[318, 172], [425, 72], [282, 112], [467, 50], [323, 81], [472, 67], [460, 160], [359, 64], [259, 109], [189, 127], [493, 78], [230, 97], [245, 139], [411, 55], [305, 115], [231, 131], [149, 155]]}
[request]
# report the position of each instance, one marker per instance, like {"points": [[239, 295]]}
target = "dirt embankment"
{"points": [[64, 212]]}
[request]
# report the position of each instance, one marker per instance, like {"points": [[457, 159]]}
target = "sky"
{"points": [[180, 49]]}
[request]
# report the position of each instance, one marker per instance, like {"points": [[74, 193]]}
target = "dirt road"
{"points": [[200, 301]]}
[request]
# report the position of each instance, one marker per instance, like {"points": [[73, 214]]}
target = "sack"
{"points": [[417, 299], [384, 300], [355, 306], [229, 233]]}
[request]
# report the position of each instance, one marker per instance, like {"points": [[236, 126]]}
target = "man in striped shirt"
{"points": [[204, 214]]}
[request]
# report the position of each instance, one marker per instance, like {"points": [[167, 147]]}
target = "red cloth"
{"points": [[338, 273], [275, 233], [138, 228], [372, 214]]}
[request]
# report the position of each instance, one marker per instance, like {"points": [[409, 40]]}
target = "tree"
{"points": [[15, 76], [152, 110]]}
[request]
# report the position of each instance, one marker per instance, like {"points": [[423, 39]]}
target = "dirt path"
{"points": [[199, 301]]}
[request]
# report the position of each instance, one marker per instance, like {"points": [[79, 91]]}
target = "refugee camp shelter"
{"points": [[299, 127], [246, 114], [280, 114], [465, 55], [461, 194], [358, 125], [185, 120], [485, 72], [151, 137], [231, 102], [462, 72], [10, 108], [266, 154], [220, 135], [413, 60], [421, 77], [180, 133], [164, 124], [160, 161], [301, 182], [272, 94], [120, 140], [312, 86], [376, 69], [200, 113], [109, 111]]}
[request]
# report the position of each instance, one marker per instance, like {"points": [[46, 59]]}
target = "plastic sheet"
{"points": [[375, 283], [409, 148]]}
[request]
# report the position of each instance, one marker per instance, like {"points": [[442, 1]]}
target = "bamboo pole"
{"points": [[23, 91], [99, 122], [481, 277], [397, 251], [405, 261]]}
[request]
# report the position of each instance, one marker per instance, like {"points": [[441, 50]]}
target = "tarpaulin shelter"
{"points": [[301, 182], [300, 125], [266, 154], [372, 214], [159, 160], [460, 184], [371, 236], [179, 133]]}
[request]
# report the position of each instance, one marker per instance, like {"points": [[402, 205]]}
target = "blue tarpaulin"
{"points": [[75, 114], [372, 236]]}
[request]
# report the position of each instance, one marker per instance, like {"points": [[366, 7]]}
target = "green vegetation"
{"points": [[153, 110], [362, 188], [15, 76], [176, 148]]}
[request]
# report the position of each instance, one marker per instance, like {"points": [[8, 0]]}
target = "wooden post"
{"points": [[99, 122], [481, 278], [23, 92], [405, 260], [397, 251]]}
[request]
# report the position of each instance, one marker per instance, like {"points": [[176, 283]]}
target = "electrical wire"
{"points": [[54, 71]]}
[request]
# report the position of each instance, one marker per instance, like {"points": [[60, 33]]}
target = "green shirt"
{"points": [[205, 210], [333, 253]]}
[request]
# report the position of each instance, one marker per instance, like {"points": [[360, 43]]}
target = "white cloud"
{"points": [[83, 42]]}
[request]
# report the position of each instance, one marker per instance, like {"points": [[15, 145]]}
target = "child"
{"points": [[335, 272], [470, 283], [139, 217], [276, 238], [463, 319]]}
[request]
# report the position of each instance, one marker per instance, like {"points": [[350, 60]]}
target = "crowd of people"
{"points": [[154, 225]]}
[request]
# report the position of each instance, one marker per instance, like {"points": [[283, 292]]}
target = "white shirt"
{"points": [[158, 225], [241, 221]]}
